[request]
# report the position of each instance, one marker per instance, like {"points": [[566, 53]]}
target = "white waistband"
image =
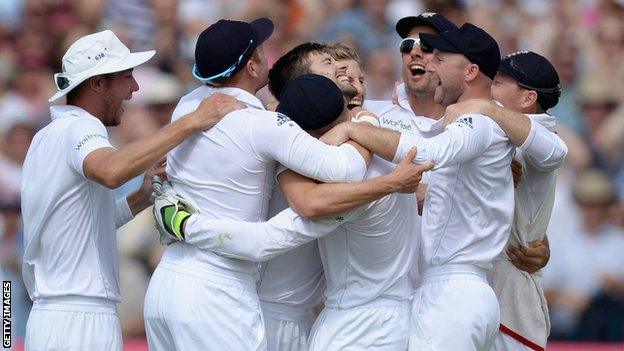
{"points": [[290, 313], [213, 274], [453, 271], [378, 302], [74, 303]]}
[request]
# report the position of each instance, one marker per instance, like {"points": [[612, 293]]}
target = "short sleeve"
{"points": [[84, 136]]}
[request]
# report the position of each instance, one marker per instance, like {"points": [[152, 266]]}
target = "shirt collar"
{"points": [[241, 95], [402, 97], [58, 111], [544, 119]]}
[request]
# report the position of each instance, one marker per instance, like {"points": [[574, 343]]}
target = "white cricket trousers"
{"points": [[454, 309], [190, 309], [382, 324], [287, 327], [73, 323], [504, 342]]}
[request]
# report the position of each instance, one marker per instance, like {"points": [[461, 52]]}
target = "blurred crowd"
{"points": [[584, 39]]}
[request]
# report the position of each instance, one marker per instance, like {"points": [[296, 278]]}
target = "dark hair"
{"points": [[293, 64], [546, 101]]}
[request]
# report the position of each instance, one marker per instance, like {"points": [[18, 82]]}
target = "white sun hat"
{"points": [[92, 55]]}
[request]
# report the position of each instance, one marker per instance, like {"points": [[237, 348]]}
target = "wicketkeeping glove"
{"points": [[170, 211]]}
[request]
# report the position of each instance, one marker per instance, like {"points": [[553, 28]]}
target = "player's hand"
{"points": [[530, 258], [158, 169], [478, 106], [337, 135], [212, 109], [407, 175], [516, 171], [170, 211], [359, 115]]}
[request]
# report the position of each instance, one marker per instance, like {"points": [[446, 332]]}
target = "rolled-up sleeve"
{"points": [[461, 141], [258, 241], [285, 142], [543, 149]]}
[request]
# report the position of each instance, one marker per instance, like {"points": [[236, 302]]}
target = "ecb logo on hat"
{"points": [[428, 14]]}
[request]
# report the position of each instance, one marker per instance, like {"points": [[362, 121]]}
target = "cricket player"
{"points": [[291, 284], [469, 202], [366, 253], [70, 265], [197, 299], [527, 83]]}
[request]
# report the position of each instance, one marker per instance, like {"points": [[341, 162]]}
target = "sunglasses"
{"points": [[521, 75], [61, 81], [225, 74], [407, 45]]}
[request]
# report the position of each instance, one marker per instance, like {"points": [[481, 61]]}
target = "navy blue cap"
{"points": [[431, 19], [473, 42], [534, 72], [312, 101], [223, 48]]}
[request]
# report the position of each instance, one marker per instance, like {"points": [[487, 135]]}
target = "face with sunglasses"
{"points": [[414, 71]]}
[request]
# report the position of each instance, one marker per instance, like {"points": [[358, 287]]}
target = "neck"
{"points": [[480, 91], [423, 105], [89, 105], [243, 82]]}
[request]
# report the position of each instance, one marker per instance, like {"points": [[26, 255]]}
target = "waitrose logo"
{"points": [[397, 123]]}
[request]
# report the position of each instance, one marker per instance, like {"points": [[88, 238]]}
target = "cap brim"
{"points": [[263, 27], [438, 41], [131, 61]]}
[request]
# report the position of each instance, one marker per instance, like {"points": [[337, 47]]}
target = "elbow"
{"points": [[312, 209], [109, 177]]}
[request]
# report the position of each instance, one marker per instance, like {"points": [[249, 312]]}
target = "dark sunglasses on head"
{"points": [[407, 45], [62, 82]]}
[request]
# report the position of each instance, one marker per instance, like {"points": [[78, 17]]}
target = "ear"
{"points": [[98, 84], [472, 71], [529, 98], [252, 67]]}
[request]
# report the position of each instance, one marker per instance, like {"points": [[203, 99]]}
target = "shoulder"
{"points": [[378, 107]]}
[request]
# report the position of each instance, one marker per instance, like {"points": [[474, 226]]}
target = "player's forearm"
{"points": [[123, 212], [255, 241], [138, 201], [327, 199], [380, 141], [516, 125], [133, 159]]}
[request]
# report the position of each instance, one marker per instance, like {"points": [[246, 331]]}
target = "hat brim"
{"points": [[263, 27], [405, 25], [131, 61], [438, 41]]}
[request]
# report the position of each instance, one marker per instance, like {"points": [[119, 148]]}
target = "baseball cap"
{"points": [[92, 55], [473, 42], [431, 19], [223, 48], [312, 101], [534, 72]]}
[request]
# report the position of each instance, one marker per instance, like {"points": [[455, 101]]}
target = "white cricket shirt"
{"points": [[469, 203], [228, 171], [520, 294], [69, 220], [367, 252], [294, 278]]}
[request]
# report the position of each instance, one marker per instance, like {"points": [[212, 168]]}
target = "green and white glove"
{"points": [[170, 211]]}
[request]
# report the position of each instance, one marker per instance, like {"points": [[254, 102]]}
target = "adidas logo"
{"points": [[281, 119], [467, 121]]}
